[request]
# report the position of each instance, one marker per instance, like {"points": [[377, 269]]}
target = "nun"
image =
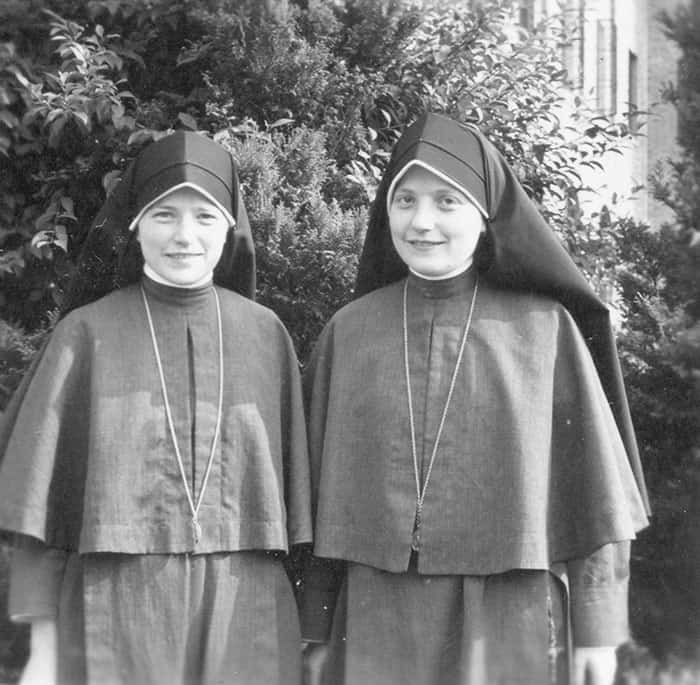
{"points": [[154, 465], [475, 478]]}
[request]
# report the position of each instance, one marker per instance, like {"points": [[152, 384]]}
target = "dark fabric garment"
{"points": [[531, 479], [89, 467], [414, 629], [211, 619], [596, 598], [530, 470], [36, 577], [598, 592], [110, 256], [89, 464], [519, 251]]}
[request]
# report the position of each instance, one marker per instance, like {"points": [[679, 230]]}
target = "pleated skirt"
{"points": [[211, 619], [411, 629]]}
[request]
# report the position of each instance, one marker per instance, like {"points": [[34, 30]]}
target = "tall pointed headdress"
{"points": [[519, 251]]}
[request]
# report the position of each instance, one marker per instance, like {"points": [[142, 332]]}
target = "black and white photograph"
{"points": [[350, 342]]}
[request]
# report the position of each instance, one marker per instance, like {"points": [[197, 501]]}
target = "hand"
{"points": [[41, 668], [594, 665], [315, 657]]}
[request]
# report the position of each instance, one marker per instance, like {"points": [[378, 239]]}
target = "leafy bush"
{"points": [[310, 97]]}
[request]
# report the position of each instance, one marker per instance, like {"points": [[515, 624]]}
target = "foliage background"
{"points": [[310, 95]]}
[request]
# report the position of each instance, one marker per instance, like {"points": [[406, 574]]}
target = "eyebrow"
{"points": [[447, 187], [207, 207]]}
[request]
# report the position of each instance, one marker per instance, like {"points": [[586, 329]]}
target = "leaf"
{"points": [[187, 120], [110, 180], [61, 237], [55, 131], [131, 54], [124, 122], [41, 239], [68, 207], [117, 110], [114, 61], [82, 119], [103, 110], [11, 262], [19, 76], [280, 122], [5, 145], [8, 118], [142, 135]]}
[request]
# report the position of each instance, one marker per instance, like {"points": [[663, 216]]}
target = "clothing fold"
{"points": [[114, 485], [531, 468]]}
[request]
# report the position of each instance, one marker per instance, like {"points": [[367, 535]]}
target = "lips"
{"points": [[424, 244]]}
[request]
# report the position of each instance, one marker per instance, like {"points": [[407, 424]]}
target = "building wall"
{"points": [[662, 127], [618, 64]]}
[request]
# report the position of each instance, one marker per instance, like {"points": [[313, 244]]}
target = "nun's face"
{"points": [[182, 236], [434, 226]]}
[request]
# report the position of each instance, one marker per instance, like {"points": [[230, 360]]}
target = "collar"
{"points": [[177, 296], [443, 288]]}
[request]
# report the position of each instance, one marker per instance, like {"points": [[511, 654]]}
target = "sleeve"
{"points": [[297, 477], [36, 575], [593, 498], [598, 589], [43, 444]]}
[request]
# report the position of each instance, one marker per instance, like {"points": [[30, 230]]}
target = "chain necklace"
{"points": [[194, 507], [420, 492]]}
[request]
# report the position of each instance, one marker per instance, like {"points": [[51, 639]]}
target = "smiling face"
{"points": [[434, 226], [182, 236]]}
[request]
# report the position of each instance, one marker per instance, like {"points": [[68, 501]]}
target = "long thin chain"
{"points": [[194, 507], [420, 492]]}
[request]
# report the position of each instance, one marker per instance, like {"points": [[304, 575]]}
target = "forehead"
{"points": [[418, 178], [184, 197]]}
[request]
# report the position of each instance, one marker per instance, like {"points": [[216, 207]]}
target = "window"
{"points": [[526, 14], [633, 91], [582, 41], [572, 55], [606, 67]]}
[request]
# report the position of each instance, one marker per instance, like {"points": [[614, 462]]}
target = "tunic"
{"points": [[90, 475], [531, 492]]}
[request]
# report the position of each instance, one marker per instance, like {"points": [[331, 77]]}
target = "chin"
{"points": [[184, 280], [431, 271]]}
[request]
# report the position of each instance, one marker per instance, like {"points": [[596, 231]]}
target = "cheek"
{"points": [[149, 251], [215, 241], [143, 243], [470, 240], [396, 230], [151, 236]]}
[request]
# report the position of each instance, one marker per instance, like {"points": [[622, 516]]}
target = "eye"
{"points": [[402, 200], [206, 217], [162, 214], [449, 201]]}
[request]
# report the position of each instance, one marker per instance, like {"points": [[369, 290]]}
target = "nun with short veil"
{"points": [[154, 470]]}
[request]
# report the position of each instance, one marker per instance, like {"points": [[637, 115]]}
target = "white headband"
{"points": [[194, 186], [439, 174]]}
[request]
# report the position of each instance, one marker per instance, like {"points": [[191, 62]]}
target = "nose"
{"points": [[183, 230], [423, 218]]}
